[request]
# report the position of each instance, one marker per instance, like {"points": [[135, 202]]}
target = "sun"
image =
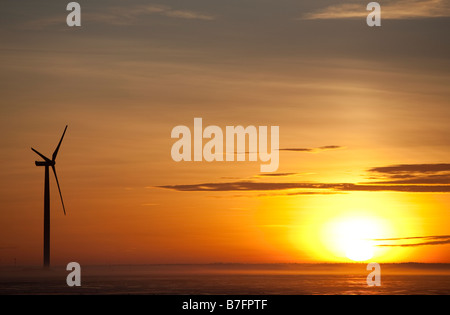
{"points": [[359, 250], [354, 237], [347, 228]]}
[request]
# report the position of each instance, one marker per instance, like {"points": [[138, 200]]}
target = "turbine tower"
{"points": [[47, 163]]}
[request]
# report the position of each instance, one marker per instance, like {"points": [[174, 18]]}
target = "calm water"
{"points": [[230, 280]]}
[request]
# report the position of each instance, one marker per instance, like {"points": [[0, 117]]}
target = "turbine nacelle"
{"points": [[44, 163]]}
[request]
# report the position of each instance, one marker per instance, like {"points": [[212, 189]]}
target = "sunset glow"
{"points": [[361, 171]]}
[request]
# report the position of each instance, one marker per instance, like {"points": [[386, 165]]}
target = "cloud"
{"points": [[235, 186], [121, 16], [312, 150], [392, 10], [340, 187], [430, 180], [134, 12], [281, 194], [403, 178], [411, 168], [300, 193], [305, 193], [190, 15], [412, 174], [276, 174], [422, 241]]}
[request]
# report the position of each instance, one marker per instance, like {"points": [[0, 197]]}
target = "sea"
{"points": [[229, 279]]}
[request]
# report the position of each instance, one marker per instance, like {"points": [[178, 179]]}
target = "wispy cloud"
{"points": [[302, 193], [312, 150], [123, 15], [393, 10], [412, 174], [406, 178], [129, 14], [414, 241], [412, 168], [276, 174], [341, 187], [308, 150], [409, 179]]}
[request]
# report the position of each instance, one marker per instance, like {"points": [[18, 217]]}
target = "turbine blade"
{"points": [[59, 144], [41, 155], [59, 189]]}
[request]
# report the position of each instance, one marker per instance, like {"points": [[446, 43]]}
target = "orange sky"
{"points": [[351, 101]]}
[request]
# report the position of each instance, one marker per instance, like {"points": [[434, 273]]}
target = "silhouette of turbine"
{"points": [[49, 163]]}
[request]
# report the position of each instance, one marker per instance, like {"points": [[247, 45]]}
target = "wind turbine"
{"points": [[49, 163]]}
